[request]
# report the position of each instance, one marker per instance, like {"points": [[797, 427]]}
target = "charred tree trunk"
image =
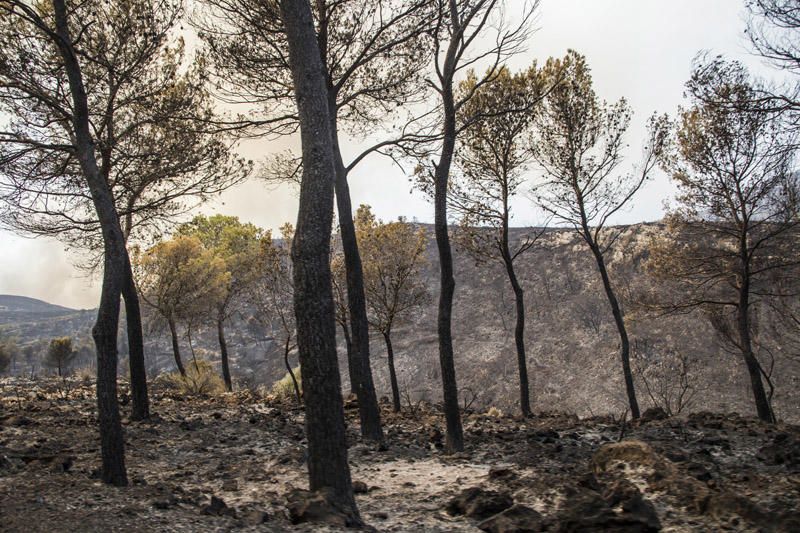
{"points": [[455, 433], [313, 297], [176, 349], [359, 360], [286, 349], [140, 404], [387, 336], [619, 320], [763, 407], [112, 447], [223, 353], [519, 328]]}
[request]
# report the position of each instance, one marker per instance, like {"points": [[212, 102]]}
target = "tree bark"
{"points": [[519, 328], [313, 297], [359, 361], [387, 336], [140, 404], [763, 407], [619, 320], [112, 447], [176, 349], [447, 284], [223, 354], [286, 349]]}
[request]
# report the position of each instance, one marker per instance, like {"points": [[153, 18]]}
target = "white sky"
{"points": [[639, 49]]}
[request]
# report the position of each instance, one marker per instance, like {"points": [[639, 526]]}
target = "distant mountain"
{"points": [[22, 304]]}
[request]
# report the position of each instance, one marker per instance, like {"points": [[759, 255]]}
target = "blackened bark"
{"points": [[519, 329], [387, 336], [619, 320], [763, 407], [176, 349], [140, 404], [455, 433], [313, 297], [223, 353], [112, 447], [359, 360], [287, 347]]}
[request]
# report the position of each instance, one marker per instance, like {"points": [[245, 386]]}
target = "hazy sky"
{"points": [[639, 49]]}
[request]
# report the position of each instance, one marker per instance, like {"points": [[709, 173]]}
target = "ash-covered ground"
{"points": [[237, 462]]}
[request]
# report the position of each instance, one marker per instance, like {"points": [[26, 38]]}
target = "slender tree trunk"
{"points": [[223, 353], [112, 447], [387, 336], [619, 320], [359, 361], [447, 283], [763, 407], [176, 349], [286, 349], [519, 329], [313, 298], [351, 366], [140, 404]]}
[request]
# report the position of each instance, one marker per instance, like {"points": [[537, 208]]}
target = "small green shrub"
{"points": [[284, 387], [201, 379]]}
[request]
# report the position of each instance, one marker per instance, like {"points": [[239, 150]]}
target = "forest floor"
{"points": [[237, 462]]}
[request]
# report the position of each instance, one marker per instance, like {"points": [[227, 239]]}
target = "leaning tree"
{"points": [[578, 141]]}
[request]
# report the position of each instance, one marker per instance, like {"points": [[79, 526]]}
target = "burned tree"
{"points": [[578, 143], [374, 54], [457, 47], [146, 114], [733, 236], [393, 256], [313, 300], [493, 154]]}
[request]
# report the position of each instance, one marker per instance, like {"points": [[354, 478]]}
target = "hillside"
{"points": [[570, 337], [10, 303]]}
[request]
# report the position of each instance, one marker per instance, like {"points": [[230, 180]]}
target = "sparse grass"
{"points": [[201, 379]]}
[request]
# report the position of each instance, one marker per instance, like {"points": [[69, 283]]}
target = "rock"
{"points": [[635, 508], [19, 421], [783, 450], [478, 503], [63, 463], [165, 502], [501, 473], [218, 507], [359, 487], [317, 507], [515, 519], [586, 511], [256, 518], [633, 452], [230, 485], [653, 414]]}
